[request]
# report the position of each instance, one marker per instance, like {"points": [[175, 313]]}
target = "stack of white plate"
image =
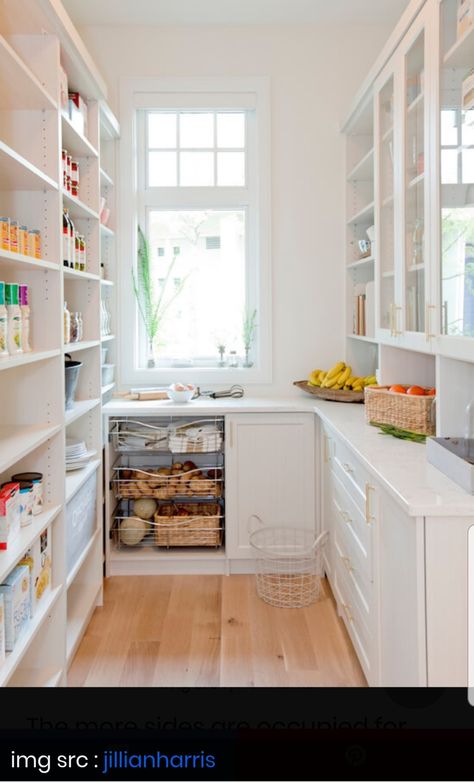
{"points": [[77, 455]]}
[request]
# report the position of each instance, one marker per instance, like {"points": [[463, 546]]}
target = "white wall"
{"points": [[314, 72]]}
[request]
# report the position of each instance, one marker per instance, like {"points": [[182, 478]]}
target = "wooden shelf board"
{"points": [[105, 231], [19, 360], [18, 442], [76, 274], [20, 261], [364, 215], [74, 142], [361, 263], [77, 208], [363, 171], [14, 658], [76, 478], [19, 87], [28, 535], [17, 173], [83, 557], [82, 346], [80, 408], [105, 179]]}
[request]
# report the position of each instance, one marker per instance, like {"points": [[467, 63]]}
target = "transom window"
{"points": [[196, 149]]}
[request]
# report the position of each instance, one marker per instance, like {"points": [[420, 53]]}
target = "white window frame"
{"points": [[183, 93]]}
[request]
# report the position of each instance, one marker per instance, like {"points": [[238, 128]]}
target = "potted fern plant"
{"points": [[152, 305]]}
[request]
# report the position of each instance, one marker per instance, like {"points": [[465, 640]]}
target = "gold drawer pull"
{"points": [[348, 468], [369, 517], [347, 563], [347, 610]]}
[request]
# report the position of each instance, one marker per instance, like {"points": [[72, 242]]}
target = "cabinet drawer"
{"points": [[360, 634], [352, 474], [356, 566], [347, 513]]}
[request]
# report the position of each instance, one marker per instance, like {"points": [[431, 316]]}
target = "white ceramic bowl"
{"points": [[180, 396]]}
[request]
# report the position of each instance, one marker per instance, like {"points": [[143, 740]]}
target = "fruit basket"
{"points": [[404, 411], [335, 395], [193, 524]]}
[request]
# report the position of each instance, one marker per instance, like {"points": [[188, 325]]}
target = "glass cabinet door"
{"points": [[385, 246], [457, 174], [415, 208]]}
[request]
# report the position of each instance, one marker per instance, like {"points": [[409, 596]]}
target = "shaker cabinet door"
{"points": [[270, 469]]}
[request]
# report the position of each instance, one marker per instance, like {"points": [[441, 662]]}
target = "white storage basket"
{"points": [[288, 565], [80, 520]]}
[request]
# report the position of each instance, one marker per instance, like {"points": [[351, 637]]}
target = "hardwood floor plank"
{"points": [[236, 668], [140, 664]]}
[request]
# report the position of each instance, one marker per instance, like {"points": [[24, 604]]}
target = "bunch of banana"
{"points": [[340, 377]]}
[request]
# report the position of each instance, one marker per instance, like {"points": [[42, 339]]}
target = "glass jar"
{"points": [[74, 330], [233, 359]]}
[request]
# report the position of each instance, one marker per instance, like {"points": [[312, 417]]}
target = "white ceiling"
{"points": [[234, 12]]}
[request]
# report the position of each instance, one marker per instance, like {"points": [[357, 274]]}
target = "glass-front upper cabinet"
{"points": [[385, 221], [456, 141]]}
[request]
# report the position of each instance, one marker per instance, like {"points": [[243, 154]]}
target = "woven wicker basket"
{"points": [[146, 483], [407, 412], [204, 529]]}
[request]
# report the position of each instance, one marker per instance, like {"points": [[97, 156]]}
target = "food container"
{"points": [[71, 374], [39, 561], [26, 496], [34, 243], [37, 481], [5, 233], [14, 232], [16, 597], [107, 374], [407, 412], [23, 240], [9, 513]]}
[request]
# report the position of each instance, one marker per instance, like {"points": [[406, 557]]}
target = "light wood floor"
{"points": [[210, 631]]}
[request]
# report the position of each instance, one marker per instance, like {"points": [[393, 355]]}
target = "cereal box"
{"points": [[38, 560], [16, 597], [9, 514]]}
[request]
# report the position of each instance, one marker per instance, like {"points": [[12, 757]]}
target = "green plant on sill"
{"points": [[153, 307], [249, 327]]}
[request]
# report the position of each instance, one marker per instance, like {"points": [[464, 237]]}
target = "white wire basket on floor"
{"points": [[288, 565]]}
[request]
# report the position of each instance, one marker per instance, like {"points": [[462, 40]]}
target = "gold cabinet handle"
{"points": [[369, 517], [347, 610]]}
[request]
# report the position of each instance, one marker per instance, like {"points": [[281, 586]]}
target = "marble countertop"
{"points": [[400, 466]]}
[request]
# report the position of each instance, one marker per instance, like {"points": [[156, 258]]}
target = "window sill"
{"points": [[199, 376]]}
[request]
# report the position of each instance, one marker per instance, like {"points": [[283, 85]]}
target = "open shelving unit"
{"points": [[36, 36]]}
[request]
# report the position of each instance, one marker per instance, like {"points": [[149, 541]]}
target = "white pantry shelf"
{"points": [[19, 87], [83, 557], [18, 442], [361, 263], [74, 142], [80, 609], [105, 231], [418, 101], [17, 173], [81, 346], [80, 408], [77, 208], [364, 215], [363, 171], [362, 338], [105, 179], [28, 535], [13, 658], [107, 282], [76, 478], [461, 54], [106, 337], [108, 388], [20, 261], [47, 677], [20, 359], [76, 274], [418, 180]]}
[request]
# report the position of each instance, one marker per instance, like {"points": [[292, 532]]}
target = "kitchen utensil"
{"points": [[235, 391]]}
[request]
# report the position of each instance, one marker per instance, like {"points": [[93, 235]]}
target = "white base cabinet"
{"points": [[270, 475]]}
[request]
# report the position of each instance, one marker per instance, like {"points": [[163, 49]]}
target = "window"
{"points": [[201, 195]]}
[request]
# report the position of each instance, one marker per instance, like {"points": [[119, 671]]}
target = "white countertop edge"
{"points": [[420, 489]]}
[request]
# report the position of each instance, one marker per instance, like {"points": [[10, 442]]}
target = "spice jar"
{"points": [[74, 328], [36, 479]]}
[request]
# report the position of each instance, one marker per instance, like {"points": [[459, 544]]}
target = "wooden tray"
{"points": [[330, 394]]}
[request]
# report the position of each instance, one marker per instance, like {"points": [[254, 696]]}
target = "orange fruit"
{"points": [[397, 388], [430, 392], [416, 391]]}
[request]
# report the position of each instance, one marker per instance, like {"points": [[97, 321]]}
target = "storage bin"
{"points": [[203, 528], [107, 374], [150, 482], [407, 412], [80, 520], [71, 377], [195, 437]]}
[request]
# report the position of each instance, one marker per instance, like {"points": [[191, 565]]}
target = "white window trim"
{"points": [[256, 92]]}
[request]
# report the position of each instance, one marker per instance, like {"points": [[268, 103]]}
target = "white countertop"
{"points": [[400, 466]]}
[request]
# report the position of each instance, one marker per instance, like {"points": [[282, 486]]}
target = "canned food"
{"points": [[36, 479]]}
